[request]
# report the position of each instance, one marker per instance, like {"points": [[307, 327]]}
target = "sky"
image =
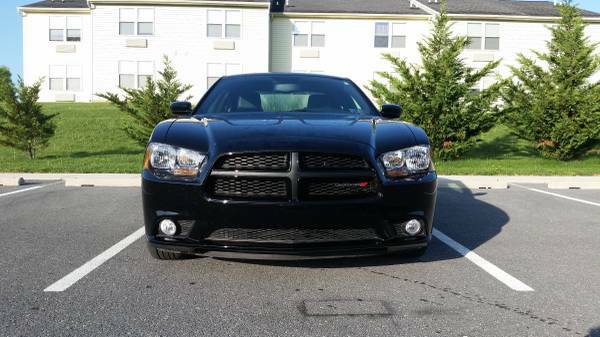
{"points": [[11, 31]]}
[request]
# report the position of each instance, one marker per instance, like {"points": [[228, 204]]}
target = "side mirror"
{"points": [[181, 109], [391, 111]]}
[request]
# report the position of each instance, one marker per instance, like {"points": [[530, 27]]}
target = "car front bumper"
{"points": [[284, 230]]}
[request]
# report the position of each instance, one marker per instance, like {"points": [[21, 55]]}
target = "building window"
{"points": [[309, 33], [134, 21], [386, 39], [492, 36], [480, 39], [73, 78], [135, 75], [214, 71], [226, 24], [61, 27], [65, 78], [57, 28], [73, 28], [56, 78]]}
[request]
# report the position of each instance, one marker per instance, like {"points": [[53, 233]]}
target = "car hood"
{"points": [[278, 132]]}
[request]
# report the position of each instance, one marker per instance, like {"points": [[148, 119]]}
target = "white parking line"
{"points": [[558, 195], [94, 263], [482, 263], [21, 191]]}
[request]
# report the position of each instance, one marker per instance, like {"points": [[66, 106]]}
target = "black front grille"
{"points": [[255, 162], [292, 235], [338, 189], [250, 188], [322, 161], [291, 176]]}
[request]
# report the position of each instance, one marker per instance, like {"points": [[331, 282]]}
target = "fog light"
{"points": [[413, 227], [168, 227]]}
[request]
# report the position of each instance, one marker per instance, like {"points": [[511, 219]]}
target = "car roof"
{"points": [[284, 74]]}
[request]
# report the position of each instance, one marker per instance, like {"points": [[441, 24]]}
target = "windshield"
{"points": [[285, 94]]}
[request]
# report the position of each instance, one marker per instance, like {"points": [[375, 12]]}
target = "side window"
{"points": [[73, 78], [57, 28], [233, 24], [214, 26], [317, 34], [381, 34], [309, 33], [398, 35], [474, 32], [126, 21], [226, 24], [214, 71], [135, 75], [74, 28], [301, 33], [56, 78], [492, 36], [144, 74], [145, 24], [484, 36], [136, 21], [127, 70]]}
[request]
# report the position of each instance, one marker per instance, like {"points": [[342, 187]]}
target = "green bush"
{"points": [[150, 105], [552, 103], [23, 124], [437, 95]]}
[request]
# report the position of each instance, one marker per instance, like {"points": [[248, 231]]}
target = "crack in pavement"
{"points": [[482, 300]]}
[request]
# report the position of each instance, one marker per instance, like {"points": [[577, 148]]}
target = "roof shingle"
{"points": [[347, 6], [59, 4], [503, 7]]}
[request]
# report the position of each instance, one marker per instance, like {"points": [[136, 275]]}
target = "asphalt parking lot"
{"points": [[516, 262]]}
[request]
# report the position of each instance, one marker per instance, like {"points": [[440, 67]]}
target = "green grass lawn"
{"points": [[501, 153], [89, 138]]}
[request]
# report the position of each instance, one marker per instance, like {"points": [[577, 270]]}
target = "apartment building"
{"points": [[84, 47]]}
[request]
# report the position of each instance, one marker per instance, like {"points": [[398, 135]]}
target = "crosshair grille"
{"points": [[291, 176], [342, 188], [322, 161], [251, 188], [255, 162]]}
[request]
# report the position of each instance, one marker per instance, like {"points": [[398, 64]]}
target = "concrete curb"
{"points": [[470, 182], [74, 179]]}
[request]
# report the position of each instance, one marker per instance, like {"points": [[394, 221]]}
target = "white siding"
{"points": [[39, 54], [265, 44], [180, 34], [349, 48]]}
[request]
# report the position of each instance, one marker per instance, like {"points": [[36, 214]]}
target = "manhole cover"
{"points": [[345, 307]]}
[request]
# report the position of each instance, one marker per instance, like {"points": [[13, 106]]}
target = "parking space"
{"points": [[547, 243]]}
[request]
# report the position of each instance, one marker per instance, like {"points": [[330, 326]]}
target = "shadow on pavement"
{"points": [[594, 332], [460, 214]]}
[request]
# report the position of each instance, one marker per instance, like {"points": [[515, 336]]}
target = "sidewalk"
{"points": [[471, 182]]}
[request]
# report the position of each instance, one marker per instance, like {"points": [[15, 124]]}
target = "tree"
{"points": [[437, 95], [23, 125], [149, 105], [553, 103]]}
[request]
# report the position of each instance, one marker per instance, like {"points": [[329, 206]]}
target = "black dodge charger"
{"points": [[287, 166]]}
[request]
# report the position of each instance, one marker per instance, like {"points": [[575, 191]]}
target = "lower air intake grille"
{"points": [[293, 235], [250, 188]]}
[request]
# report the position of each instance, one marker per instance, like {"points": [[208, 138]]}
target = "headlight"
{"points": [[166, 161], [406, 162]]}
